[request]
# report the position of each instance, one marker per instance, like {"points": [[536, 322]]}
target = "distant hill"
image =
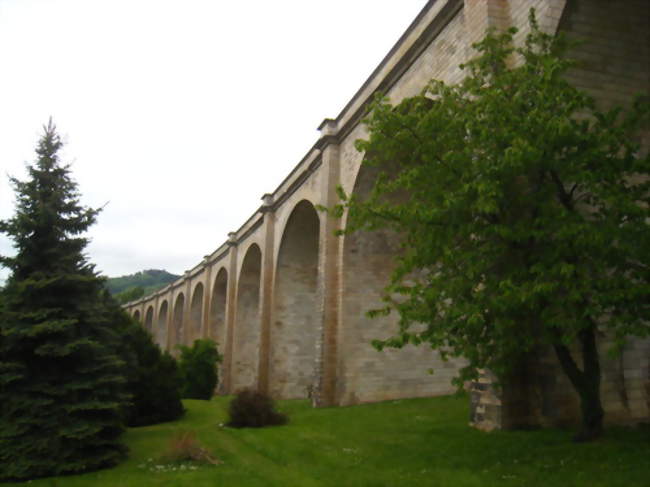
{"points": [[134, 286]]}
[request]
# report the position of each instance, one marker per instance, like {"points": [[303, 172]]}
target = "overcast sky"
{"points": [[179, 114]]}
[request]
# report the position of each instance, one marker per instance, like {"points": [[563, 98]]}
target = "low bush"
{"points": [[197, 369], [251, 409]]}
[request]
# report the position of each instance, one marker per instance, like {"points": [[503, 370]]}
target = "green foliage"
{"points": [[149, 280], [252, 409], [198, 369], [151, 374], [131, 294], [61, 379], [527, 218]]}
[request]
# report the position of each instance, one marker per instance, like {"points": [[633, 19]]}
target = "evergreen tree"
{"points": [[61, 380], [152, 375]]}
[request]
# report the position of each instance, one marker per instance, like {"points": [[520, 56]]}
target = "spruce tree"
{"points": [[61, 380]]}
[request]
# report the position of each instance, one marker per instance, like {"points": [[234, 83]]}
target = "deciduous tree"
{"points": [[526, 221], [197, 369]]}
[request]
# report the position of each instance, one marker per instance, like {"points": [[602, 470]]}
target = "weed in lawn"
{"points": [[184, 447]]}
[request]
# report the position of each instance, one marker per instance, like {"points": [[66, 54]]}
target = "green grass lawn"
{"points": [[415, 442]]}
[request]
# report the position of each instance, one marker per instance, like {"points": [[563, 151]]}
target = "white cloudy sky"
{"points": [[179, 114]]}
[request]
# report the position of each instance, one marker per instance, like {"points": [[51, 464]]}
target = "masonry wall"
{"points": [[614, 65], [286, 300], [246, 332], [293, 332]]}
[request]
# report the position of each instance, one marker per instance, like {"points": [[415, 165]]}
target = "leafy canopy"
{"points": [[527, 214], [197, 369]]}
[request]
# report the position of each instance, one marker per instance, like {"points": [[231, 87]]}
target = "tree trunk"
{"points": [[586, 382]]}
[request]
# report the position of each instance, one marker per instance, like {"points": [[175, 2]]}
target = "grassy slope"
{"points": [[419, 442]]}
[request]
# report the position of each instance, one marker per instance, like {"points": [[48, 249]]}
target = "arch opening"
{"points": [[364, 374], [148, 319], [178, 332], [196, 314], [217, 330], [136, 315], [161, 332], [246, 340], [295, 314]]}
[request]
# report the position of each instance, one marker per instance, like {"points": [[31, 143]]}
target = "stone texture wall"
{"points": [[196, 312], [286, 300], [614, 65], [177, 330], [217, 316], [540, 394], [366, 374], [294, 327], [161, 328], [245, 353]]}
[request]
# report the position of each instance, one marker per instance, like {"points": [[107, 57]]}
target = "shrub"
{"points": [[254, 410], [198, 369], [184, 447], [152, 375]]}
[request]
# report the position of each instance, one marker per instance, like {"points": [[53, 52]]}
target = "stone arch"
{"points": [[364, 374], [246, 341], [148, 319], [217, 329], [136, 315], [161, 332], [196, 313], [295, 313], [178, 331]]}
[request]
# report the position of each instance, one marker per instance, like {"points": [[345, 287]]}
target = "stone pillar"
{"points": [[266, 294], [231, 307], [485, 403], [481, 15], [324, 392]]}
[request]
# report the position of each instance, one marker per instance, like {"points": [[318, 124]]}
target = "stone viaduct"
{"points": [[285, 298]]}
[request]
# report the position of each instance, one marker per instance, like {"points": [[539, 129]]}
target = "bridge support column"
{"points": [[266, 295], [326, 367], [480, 15]]}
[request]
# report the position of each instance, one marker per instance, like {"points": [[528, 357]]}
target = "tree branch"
{"points": [[569, 365], [565, 198]]}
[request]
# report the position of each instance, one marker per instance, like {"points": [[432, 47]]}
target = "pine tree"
{"points": [[61, 380]]}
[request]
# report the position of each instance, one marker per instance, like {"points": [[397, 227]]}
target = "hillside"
{"points": [[139, 284]]}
